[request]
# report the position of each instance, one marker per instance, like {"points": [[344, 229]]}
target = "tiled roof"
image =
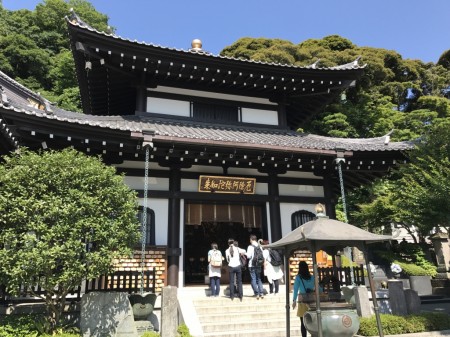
{"points": [[189, 130], [74, 20]]}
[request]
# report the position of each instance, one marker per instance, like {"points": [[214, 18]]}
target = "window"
{"points": [[150, 237], [215, 112], [301, 217]]}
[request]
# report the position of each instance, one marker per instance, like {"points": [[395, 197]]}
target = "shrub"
{"points": [[392, 324], [183, 331], [18, 326], [415, 266], [30, 326]]}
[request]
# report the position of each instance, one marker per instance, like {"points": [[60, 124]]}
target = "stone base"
{"points": [[143, 326], [443, 275]]}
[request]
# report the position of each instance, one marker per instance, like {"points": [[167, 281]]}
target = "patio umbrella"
{"points": [[324, 233]]}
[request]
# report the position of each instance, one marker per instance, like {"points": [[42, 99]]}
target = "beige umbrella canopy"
{"points": [[324, 232], [329, 235]]}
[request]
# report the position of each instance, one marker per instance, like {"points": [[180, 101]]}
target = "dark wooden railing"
{"points": [[124, 281], [341, 276]]}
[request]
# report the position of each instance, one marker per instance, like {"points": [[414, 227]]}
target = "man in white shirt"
{"points": [[255, 271]]}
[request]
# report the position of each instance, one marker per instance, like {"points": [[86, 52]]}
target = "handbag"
{"points": [[301, 309], [309, 296]]}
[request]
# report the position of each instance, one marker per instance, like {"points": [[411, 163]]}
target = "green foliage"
{"points": [[345, 262], [64, 217], [34, 48], [18, 326], [404, 324], [444, 59], [411, 258], [151, 334], [417, 194], [387, 97], [183, 331]]}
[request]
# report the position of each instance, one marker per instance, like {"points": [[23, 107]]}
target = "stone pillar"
{"points": [[169, 312], [362, 301], [397, 299], [173, 239], [412, 301], [274, 207], [441, 246]]}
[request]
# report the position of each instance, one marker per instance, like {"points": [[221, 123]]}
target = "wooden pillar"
{"points": [[274, 207], [173, 235], [141, 95], [330, 203]]}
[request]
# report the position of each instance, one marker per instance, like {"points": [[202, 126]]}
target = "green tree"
{"points": [[415, 195], [389, 90], [64, 217], [34, 48]]}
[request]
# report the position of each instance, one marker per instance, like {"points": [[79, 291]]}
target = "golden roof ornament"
{"points": [[196, 45]]}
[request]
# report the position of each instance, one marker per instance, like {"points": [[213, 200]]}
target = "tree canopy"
{"points": [[393, 94], [414, 197], [34, 48], [64, 217]]}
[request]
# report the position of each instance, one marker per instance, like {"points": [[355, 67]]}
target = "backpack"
{"points": [[243, 260], [275, 258], [216, 259], [258, 258]]}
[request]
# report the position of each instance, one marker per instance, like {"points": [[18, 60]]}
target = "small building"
{"points": [[218, 134]]}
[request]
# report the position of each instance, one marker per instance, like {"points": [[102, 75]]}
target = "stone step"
{"points": [[243, 307], [246, 316], [223, 300], [257, 332], [226, 325]]}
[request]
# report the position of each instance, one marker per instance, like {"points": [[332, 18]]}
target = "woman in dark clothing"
{"points": [[234, 268]]}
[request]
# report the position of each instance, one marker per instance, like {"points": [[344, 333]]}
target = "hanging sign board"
{"points": [[226, 185]]}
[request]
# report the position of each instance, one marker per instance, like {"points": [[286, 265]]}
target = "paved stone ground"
{"points": [[437, 307]]}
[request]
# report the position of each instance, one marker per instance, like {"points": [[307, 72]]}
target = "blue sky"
{"points": [[416, 29]]}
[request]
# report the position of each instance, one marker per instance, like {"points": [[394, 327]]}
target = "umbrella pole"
{"points": [[287, 281], [316, 286], [372, 290]]}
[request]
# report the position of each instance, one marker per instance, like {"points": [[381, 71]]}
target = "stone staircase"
{"points": [[221, 317]]}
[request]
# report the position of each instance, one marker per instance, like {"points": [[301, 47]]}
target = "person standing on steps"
{"points": [[255, 264], [234, 267], [215, 259], [303, 284], [272, 268]]}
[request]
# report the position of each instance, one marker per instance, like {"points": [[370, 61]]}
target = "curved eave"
{"points": [[150, 48], [125, 64]]}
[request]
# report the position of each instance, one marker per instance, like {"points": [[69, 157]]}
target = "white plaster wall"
{"points": [[161, 209], [269, 231], [286, 210], [137, 183], [181, 260], [189, 185], [198, 93], [168, 106], [258, 116], [301, 190]]}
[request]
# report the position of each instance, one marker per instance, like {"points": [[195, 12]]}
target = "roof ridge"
{"points": [[75, 20], [37, 96]]}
